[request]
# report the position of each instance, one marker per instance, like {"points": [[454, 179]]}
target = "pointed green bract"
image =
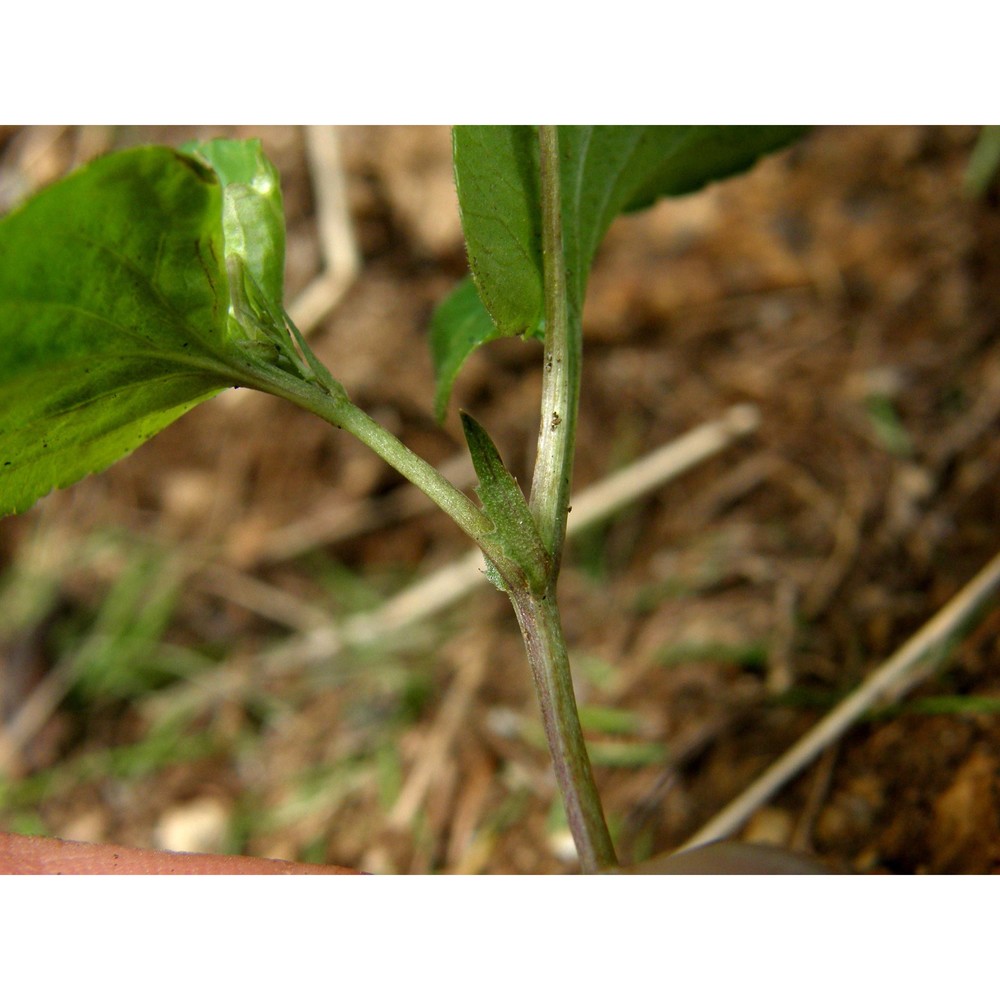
{"points": [[605, 170], [113, 316], [506, 507]]}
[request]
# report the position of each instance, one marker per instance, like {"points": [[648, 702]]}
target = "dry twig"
{"points": [[890, 682], [336, 235]]}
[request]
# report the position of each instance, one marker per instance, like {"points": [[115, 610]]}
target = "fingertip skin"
{"points": [[20, 855]]}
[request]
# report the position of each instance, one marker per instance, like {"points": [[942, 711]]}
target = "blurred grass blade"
{"points": [[984, 163]]}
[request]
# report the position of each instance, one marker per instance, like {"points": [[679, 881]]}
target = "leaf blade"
{"points": [[496, 176], [606, 170], [253, 215], [113, 301], [459, 325], [702, 154]]}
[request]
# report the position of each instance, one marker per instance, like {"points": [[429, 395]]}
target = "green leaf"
{"points": [[606, 170], [253, 216], [459, 325], [506, 507], [691, 156], [984, 163], [113, 316], [496, 175], [253, 228], [610, 169]]}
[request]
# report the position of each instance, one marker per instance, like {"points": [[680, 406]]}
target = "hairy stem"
{"points": [[330, 402], [550, 484], [535, 606], [538, 616]]}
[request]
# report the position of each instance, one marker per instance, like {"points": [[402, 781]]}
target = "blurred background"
{"points": [[195, 651]]}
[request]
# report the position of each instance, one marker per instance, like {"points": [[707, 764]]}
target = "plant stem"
{"points": [[332, 404], [550, 485], [537, 610], [537, 615], [541, 628]]}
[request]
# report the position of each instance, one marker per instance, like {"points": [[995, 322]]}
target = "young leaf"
{"points": [[253, 217], [506, 507], [113, 316], [496, 176], [459, 325], [606, 170]]}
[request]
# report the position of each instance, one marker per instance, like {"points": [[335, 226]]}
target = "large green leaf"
{"points": [[113, 316], [606, 170]]}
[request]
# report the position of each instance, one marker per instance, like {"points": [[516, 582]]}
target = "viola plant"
{"points": [[150, 280]]}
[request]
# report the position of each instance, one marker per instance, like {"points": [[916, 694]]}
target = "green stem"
{"points": [[550, 485], [331, 403], [537, 612], [538, 616]]}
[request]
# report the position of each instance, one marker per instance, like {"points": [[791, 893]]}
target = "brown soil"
{"points": [[847, 288]]}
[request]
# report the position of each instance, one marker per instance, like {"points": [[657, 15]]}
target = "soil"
{"points": [[847, 287]]}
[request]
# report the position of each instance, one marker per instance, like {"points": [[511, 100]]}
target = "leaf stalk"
{"points": [[326, 398]]}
